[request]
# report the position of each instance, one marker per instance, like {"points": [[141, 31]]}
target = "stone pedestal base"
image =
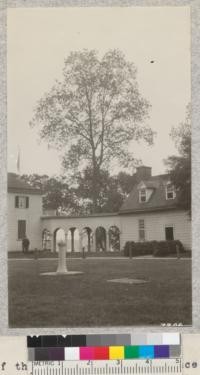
{"points": [[67, 273], [62, 267]]}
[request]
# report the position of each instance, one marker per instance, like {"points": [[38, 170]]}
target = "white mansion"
{"points": [[150, 212]]}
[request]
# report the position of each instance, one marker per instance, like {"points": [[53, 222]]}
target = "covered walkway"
{"points": [[100, 232]]}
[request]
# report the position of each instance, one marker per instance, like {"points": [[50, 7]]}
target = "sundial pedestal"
{"points": [[62, 266]]}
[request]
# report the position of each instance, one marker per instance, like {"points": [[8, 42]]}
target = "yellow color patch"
{"points": [[116, 352]]}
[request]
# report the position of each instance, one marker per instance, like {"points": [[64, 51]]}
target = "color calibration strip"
{"points": [[103, 353], [103, 347]]}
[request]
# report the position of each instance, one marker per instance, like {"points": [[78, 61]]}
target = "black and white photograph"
{"points": [[99, 167]]}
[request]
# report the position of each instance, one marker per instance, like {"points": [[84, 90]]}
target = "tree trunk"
{"points": [[95, 190]]}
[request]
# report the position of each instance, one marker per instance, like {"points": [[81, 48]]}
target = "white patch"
{"points": [[126, 280]]}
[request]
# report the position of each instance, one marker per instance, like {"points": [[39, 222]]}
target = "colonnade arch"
{"points": [[73, 238], [87, 239], [102, 241], [80, 234], [77, 240], [114, 238], [58, 235], [46, 239]]}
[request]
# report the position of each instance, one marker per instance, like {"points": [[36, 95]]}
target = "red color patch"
{"points": [[101, 352]]}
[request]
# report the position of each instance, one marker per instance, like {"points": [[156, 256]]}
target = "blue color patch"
{"points": [[146, 351]]}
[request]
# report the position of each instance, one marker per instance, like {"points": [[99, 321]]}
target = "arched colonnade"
{"points": [[84, 239]]}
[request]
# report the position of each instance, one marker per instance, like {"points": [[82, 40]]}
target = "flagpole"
{"points": [[18, 161]]}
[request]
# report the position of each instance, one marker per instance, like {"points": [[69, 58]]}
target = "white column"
{"points": [[66, 234], [89, 241], [51, 239], [93, 244], [80, 242], [72, 230]]}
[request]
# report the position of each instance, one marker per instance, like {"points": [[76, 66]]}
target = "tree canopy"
{"points": [[94, 113], [66, 199], [180, 166], [113, 189], [57, 195]]}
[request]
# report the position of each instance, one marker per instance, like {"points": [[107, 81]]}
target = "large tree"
{"points": [[94, 113], [113, 189], [179, 166]]}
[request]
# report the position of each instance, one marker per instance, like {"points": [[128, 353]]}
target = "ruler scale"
{"points": [[169, 366]]}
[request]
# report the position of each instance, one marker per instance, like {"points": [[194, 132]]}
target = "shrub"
{"points": [[155, 248], [166, 248]]}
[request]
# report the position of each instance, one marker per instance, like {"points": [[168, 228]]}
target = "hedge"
{"points": [[154, 248]]}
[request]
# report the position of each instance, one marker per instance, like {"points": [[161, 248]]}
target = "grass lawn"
{"points": [[89, 300]]}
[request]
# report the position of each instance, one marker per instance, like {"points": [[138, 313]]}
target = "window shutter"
{"points": [[27, 202], [16, 202], [141, 230]]}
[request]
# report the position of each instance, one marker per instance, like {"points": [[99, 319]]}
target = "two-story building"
{"points": [[24, 213], [152, 211]]}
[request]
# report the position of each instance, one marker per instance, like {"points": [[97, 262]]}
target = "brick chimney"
{"points": [[143, 173]]}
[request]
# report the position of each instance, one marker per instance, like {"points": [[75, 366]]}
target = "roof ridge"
{"points": [[160, 175], [156, 200], [16, 183]]}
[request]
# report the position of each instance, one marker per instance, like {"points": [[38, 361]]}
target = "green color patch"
{"points": [[131, 352]]}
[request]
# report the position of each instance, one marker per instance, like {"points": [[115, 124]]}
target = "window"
{"points": [[170, 192], [21, 202], [169, 233], [141, 230], [143, 197], [21, 229]]}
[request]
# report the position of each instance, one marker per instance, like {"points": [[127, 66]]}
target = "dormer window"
{"points": [[142, 196], [170, 192]]}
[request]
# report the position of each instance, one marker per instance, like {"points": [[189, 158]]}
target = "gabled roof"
{"points": [[157, 200], [17, 185]]}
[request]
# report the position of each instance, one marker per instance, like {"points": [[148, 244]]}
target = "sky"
{"points": [[39, 39]]}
